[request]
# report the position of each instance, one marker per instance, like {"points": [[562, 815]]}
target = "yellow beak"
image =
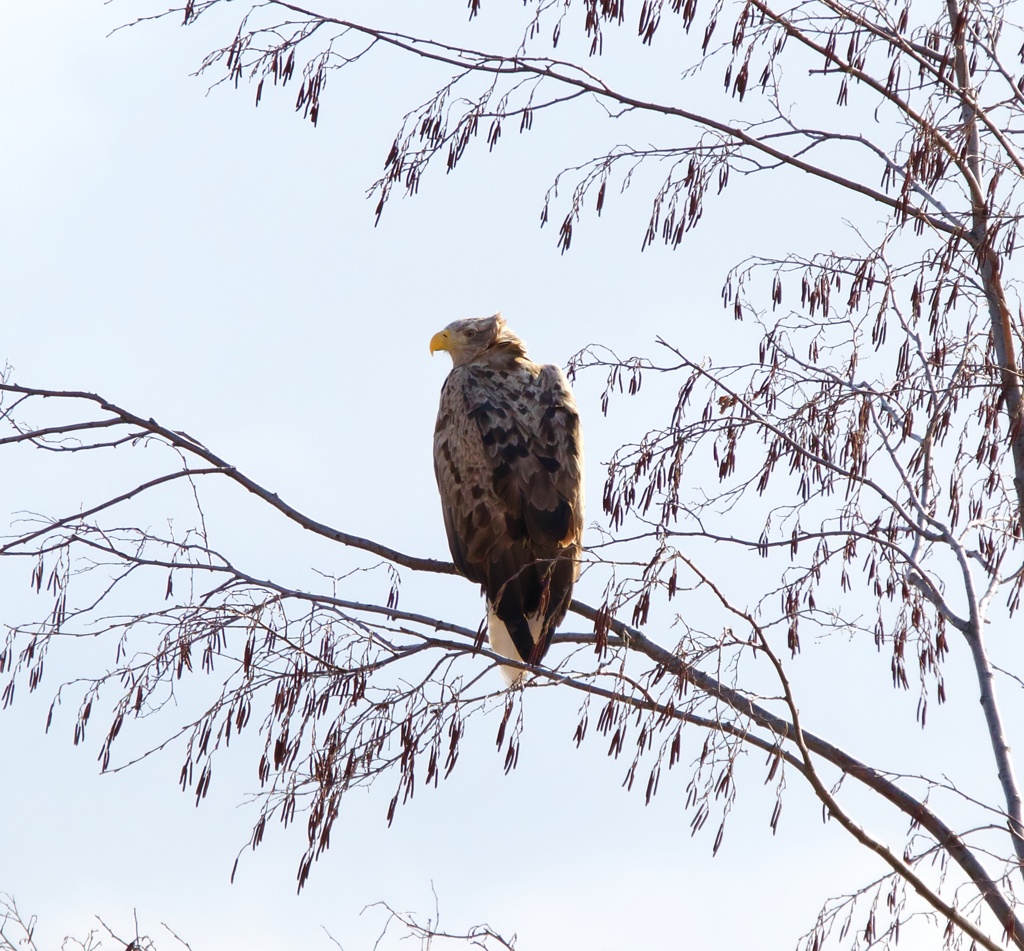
{"points": [[440, 341]]}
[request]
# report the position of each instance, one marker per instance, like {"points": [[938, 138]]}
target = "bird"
{"points": [[508, 457]]}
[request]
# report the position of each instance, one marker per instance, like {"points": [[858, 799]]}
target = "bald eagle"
{"points": [[508, 457]]}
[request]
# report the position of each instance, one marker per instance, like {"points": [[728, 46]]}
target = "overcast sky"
{"points": [[216, 266]]}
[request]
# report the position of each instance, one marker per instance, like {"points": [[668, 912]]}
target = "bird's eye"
{"points": [[470, 334]]}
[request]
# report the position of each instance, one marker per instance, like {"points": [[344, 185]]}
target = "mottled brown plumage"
{"points": [[508, 457]]}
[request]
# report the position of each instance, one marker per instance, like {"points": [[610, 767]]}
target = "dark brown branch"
{"points": [[875, 780], [187, 444]]}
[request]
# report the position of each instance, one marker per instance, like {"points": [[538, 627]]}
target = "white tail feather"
{"points": [[502, 643]]}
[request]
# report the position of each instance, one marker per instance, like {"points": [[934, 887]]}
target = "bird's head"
{"points": [[478, 340]]}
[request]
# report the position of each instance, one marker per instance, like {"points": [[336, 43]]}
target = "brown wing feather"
{"points": [[508, 461]]}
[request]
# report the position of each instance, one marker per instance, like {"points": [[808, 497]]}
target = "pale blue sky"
{"points": [[216, 267]]}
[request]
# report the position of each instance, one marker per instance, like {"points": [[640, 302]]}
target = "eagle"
{"points": [[508, 457]]}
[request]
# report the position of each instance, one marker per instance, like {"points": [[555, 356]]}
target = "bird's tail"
{"points": [[502, 643]]}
